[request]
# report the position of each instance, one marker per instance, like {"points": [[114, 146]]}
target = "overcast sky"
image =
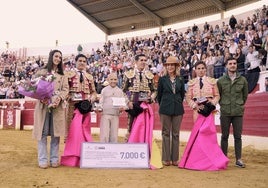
{"points": [[42, 22], [39, 23]]}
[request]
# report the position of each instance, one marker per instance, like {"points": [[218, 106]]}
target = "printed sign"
{"points": [[93, 117], [114, 155]]}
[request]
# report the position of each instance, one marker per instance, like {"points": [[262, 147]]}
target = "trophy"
{"points": [[202, 100], [76, 97], [143, 96]]}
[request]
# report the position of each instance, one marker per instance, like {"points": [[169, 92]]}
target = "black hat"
{"points": [[136, 110], [83, 106], [208, 108]]}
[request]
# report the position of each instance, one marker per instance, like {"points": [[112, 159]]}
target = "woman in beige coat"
{"points": [[49, 115]]}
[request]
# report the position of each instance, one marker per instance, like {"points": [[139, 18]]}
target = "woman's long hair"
{"points": [[49, 65], [177, 69]]}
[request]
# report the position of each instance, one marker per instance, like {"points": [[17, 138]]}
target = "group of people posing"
{"points": [[67, 113]]}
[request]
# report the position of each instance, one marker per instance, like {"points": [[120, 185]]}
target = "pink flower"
{"points": [[37, 89]]}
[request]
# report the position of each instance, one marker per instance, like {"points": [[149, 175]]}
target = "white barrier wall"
{"points": [[261, 81]]}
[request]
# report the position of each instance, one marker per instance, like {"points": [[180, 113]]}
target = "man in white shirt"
{"points": [[232, 46], [3, 90], [252, 59]]}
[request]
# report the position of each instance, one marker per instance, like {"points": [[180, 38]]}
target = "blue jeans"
{"points": [[54, 143]]}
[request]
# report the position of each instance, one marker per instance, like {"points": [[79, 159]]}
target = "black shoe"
{"points": [[240, 164]]}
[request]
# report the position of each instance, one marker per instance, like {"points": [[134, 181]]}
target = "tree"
{"points": [[79, 48]]}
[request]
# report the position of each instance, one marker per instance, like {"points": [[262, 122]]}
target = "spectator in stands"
{"points": [[252, 60], [10, 94], [51, 122], [257, 41], [194, 60], [3, 90], [210, 62], [99, 81], [170, 97], [17, 95], [219, 64], [206, 26], [232, 46], [138, 85], [244, 47], [266, 84], [263, 59], [194, 28], [232, 22], [264, 32], [241, 33], [185, 70], [240, 58], [233, 89]]}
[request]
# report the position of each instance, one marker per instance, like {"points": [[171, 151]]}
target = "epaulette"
{"points": [[88, 76], [191, 82], [70, 73], [130, 74], [212, 81], [149, 74]]}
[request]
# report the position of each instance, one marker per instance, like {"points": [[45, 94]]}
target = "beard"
{"points": [[232, 71]]}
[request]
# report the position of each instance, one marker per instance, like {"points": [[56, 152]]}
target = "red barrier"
{"points": [[27, 115], [255, 118], [9, 118], [10, 114]]}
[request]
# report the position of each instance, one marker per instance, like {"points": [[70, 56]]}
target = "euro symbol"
{"points": [[142, 155]]}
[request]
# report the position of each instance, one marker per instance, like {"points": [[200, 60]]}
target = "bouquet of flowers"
{"points": [[39, 88]]}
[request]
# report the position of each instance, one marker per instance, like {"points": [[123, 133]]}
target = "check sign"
{"points": [[114, 155]]}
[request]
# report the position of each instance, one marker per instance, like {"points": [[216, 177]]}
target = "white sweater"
{"points": [[106, 101]]}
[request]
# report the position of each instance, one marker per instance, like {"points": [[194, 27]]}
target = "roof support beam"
{"points": [[146, 11], [93, 20], [112, 10], [91, 3], [219, 4]]}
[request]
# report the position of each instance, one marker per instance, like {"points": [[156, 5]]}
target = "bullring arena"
{"points": [[19, 166]]}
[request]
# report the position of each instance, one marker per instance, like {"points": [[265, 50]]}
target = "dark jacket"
{"points": [[170, 103], [233, 96], [241, 63]]}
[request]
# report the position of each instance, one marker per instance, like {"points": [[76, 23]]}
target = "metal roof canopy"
{"points": [[119, 16]]}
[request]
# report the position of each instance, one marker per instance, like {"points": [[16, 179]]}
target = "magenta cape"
{"points": [[79, 132], [44, 89], [202, 151], [142, 132]]}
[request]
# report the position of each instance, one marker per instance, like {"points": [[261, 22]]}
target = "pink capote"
{"points": [[202, 151], [79, 132], [142, 132]]}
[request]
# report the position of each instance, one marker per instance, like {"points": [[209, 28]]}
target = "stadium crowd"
{"points": [[245, 39]]}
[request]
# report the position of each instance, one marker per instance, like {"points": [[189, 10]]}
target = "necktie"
{"points": [[201, 83], [81, 77], [140, 76]]}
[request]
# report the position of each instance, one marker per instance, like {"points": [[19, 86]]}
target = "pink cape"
{"points": [[142, 132], [202, 151], [44, 89], [79, 132]]}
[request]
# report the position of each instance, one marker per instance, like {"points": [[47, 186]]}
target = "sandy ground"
{"points": [[18, 168]]}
